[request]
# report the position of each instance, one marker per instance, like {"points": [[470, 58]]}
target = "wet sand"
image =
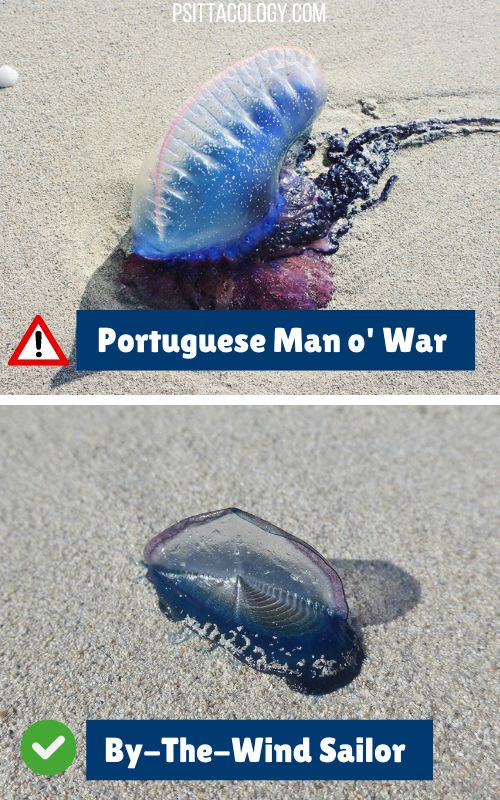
{"points": [[402, 500], [98, 85]]}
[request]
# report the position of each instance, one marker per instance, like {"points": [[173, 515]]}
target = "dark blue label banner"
{"points": [[275, 340], [259, 750]]}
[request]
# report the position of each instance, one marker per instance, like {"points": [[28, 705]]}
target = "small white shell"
{"points": [[8, 76]]}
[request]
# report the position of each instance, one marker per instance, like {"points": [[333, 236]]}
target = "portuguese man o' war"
{"points": [[226, 214], [264, 595], [210, 189]]}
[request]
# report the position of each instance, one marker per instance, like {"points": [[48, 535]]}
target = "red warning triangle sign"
{"points": [[38, 348]]}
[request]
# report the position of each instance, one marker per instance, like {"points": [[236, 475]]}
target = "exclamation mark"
{"points": [[38, 342]]}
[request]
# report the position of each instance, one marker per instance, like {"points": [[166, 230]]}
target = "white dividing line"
{"points": [[152, 753], [222, 753], [251, 399]]}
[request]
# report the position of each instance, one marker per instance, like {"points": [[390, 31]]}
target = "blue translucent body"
{"points": [[211, 187], [265, 596]]}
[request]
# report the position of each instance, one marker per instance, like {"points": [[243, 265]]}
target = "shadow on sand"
{"points": [[377, 591], [106, 291]]}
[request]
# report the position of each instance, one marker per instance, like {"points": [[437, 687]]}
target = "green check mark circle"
{"points": [[48, 747]]}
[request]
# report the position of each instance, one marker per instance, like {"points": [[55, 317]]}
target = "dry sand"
{"points": [[404, 501], [98, 85]]}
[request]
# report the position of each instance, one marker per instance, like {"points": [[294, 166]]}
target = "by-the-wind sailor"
{"points": [[267, 597], [210, 189]]}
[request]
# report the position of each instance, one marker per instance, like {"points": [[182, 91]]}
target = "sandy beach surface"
{"points": [[100, 82], [403, 501]]}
